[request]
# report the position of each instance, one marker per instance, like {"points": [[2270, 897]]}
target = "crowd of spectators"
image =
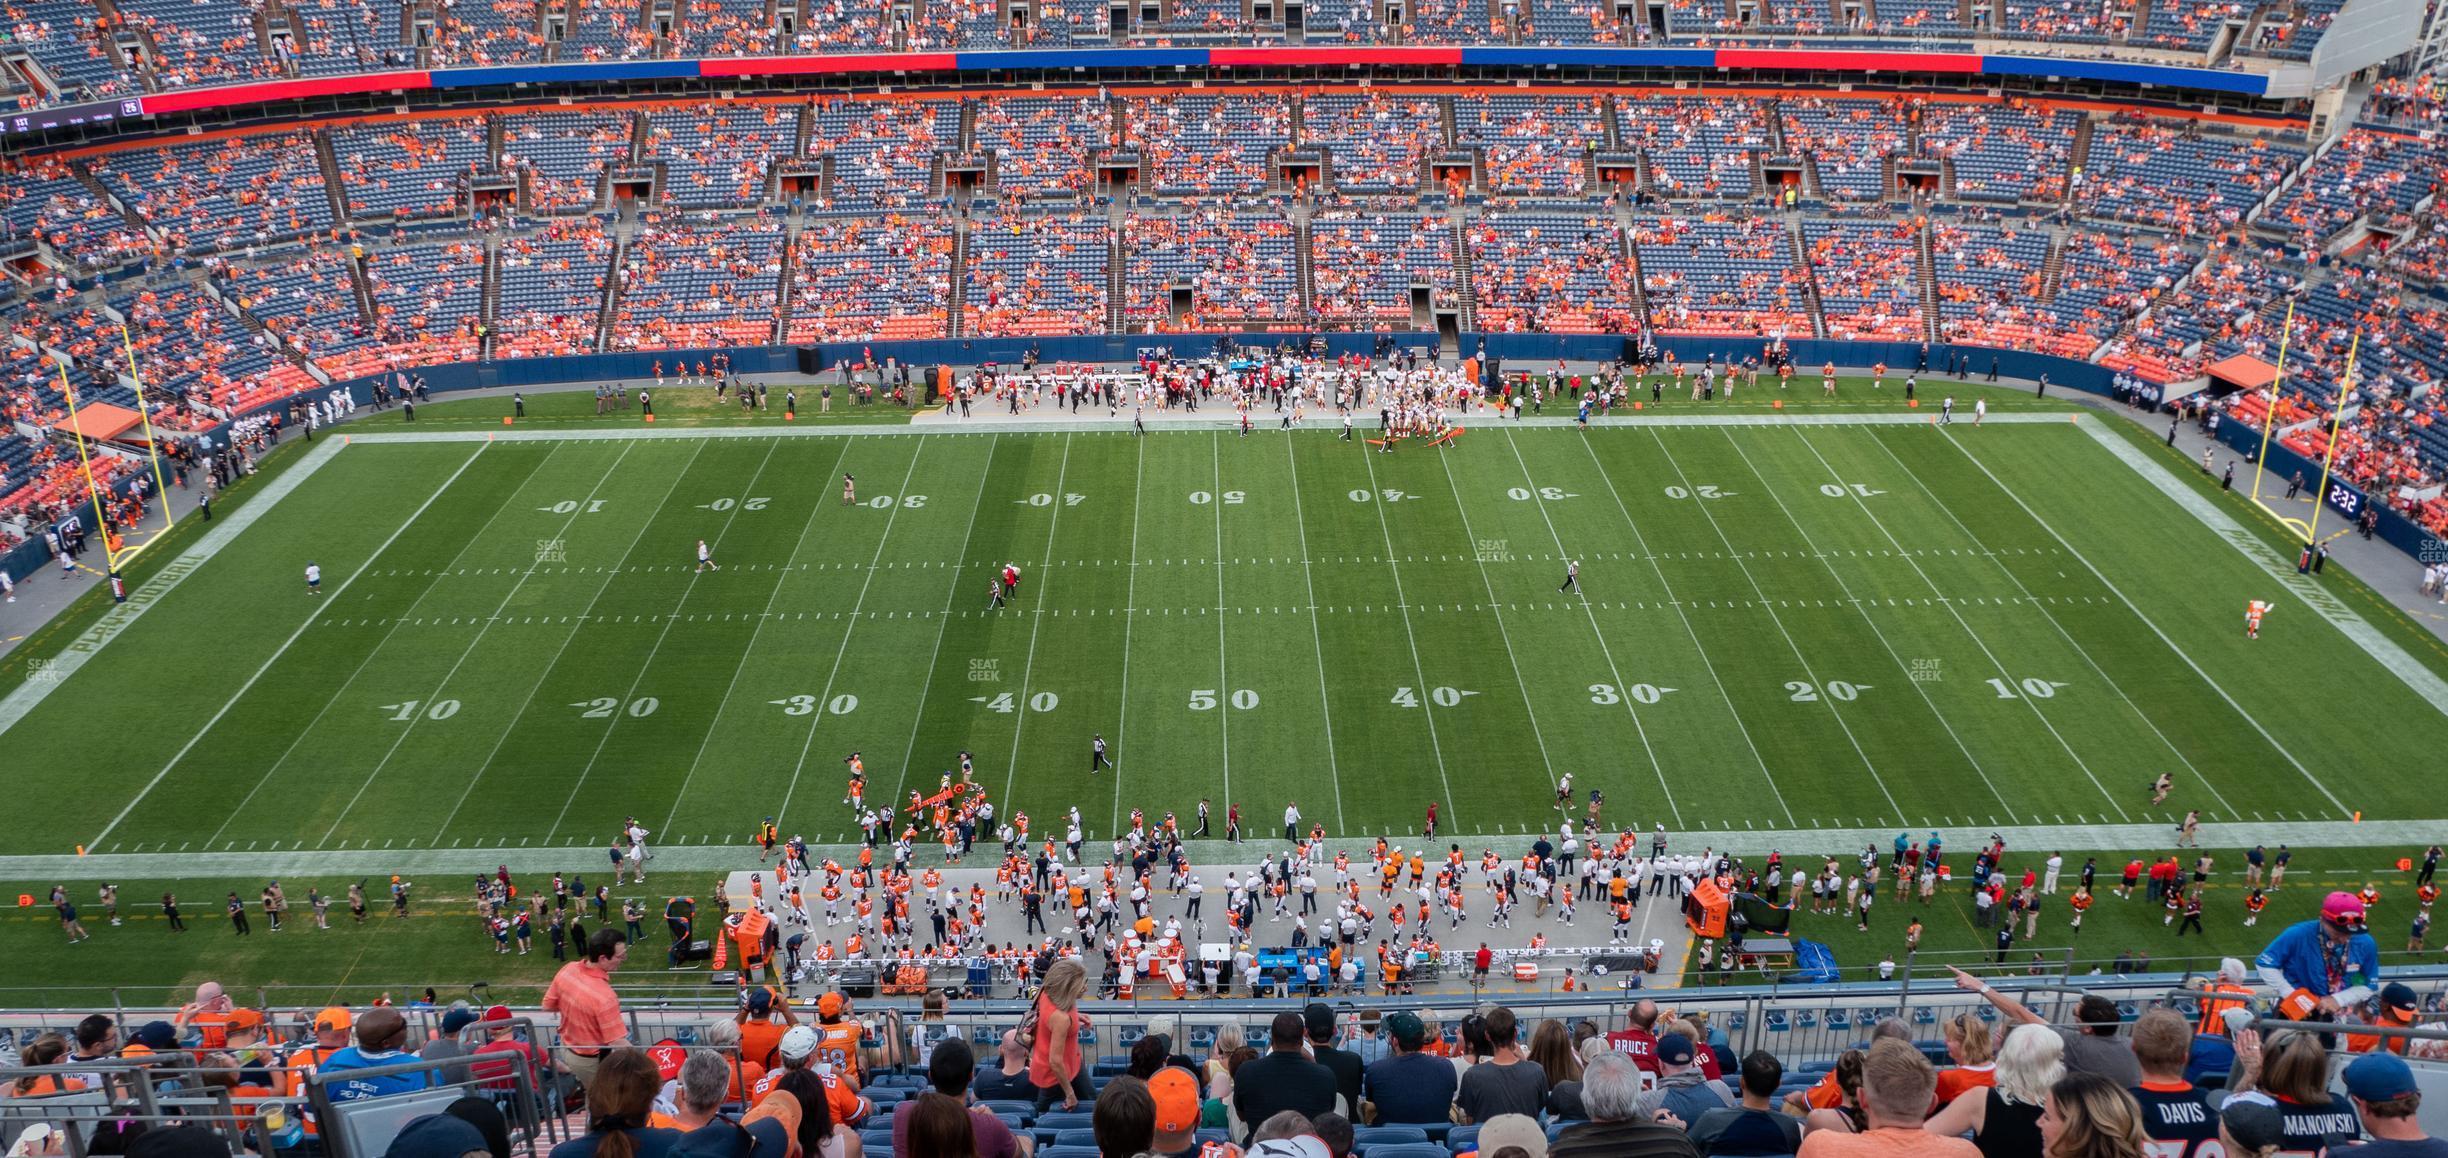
{"points": [[2004, 151], [717, 155], [1380, 141], [1044, 146], [711, 284], [1722, 275], [552, 289], [1365, 265], [1867, 275], [1238, 266], [1546, 271], [1696, 147], [1848, 141], [2184, 179], [1037, 275], [1534, 146], [858, 277], [409, 168], [1203, 145], [2366, 174], [221, 193]]}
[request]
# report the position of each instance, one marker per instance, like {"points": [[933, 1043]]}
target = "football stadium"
{"points": [[1679, 578]]}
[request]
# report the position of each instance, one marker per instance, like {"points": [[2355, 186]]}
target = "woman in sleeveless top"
{"points": [[1054, 1052], [2004, 1119]]}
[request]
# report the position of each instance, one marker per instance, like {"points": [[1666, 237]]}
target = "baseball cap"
{"points": [[1319, 1019], [1674, 1049], [459, 1018], [760, 1000], [1176, 1091], [496, 1013], [799, 1042], [2377, 1077], [334, 1017], [436, 1136], [244, 1019], [2253, 1121], [2343, 908], [1513, 1130], [829, 1005], [155, 1035], [780, 1106], [1407, 1029], [2398, 995]]}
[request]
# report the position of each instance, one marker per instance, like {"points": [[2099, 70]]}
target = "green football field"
{"points": [[1780, 627]]}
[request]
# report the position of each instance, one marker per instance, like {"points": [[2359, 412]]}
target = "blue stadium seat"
{"points": [[1398, 1150], [1370, 1136], [1070, 1152], [1075, 1138], [1463, 1138]]}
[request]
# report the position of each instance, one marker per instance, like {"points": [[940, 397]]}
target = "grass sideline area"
{"points": [[440, 943]]}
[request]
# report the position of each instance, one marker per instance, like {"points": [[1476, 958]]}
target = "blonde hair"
{"points": [[1229, 1037], [2031, 1061], [1066, 983], [1969, 1036], [2296, 1068]]}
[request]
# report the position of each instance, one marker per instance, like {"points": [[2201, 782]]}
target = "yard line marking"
{"points": [[1552, 533], [2096, 670], [1427, 702], [1215, 449], [24, 697], [1317, 642], [1029, 665], [630, 696], [866, 581], [741, 667], [1537, 736], [1974, 636], [342, 688], [2203, 513], [1773, 617], [283, 649], [470, 650], [1902, 668], [584, 616], [2382, 649], [1130, 603]]}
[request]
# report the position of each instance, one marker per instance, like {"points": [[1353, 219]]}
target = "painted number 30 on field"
{"points": [[800, 705]]}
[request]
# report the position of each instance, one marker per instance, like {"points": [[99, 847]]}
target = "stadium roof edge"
{"points": [[2250, 84]]}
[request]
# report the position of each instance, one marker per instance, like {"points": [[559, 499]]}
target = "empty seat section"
{"points": [[2187, 180], [410, 168], [1696, 147], [552, 289], [565, 154], [1239, 268], [883, 151], [1364, 266], [1044, 146], [2002, 152], [718, 155], [858, 277], [1722, 277], [1848, 142], [1378, 143], [1196, 145], [1041, 275], [1551, 271], [1535, 146]]}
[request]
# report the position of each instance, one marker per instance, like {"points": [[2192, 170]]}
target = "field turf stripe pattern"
{"points": [[1776, 628]]}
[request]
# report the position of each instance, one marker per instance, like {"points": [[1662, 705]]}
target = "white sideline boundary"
{"points": [[27, 696], [2397, 836], [2355, 628], [924, 427]]}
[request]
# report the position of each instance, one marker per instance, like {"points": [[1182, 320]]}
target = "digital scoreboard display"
{"points": [[70, 116]]}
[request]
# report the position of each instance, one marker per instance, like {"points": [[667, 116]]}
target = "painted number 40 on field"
{"points": [[1442, 697]]}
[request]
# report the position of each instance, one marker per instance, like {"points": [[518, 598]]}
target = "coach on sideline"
{"points": [[591, 1024]]}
